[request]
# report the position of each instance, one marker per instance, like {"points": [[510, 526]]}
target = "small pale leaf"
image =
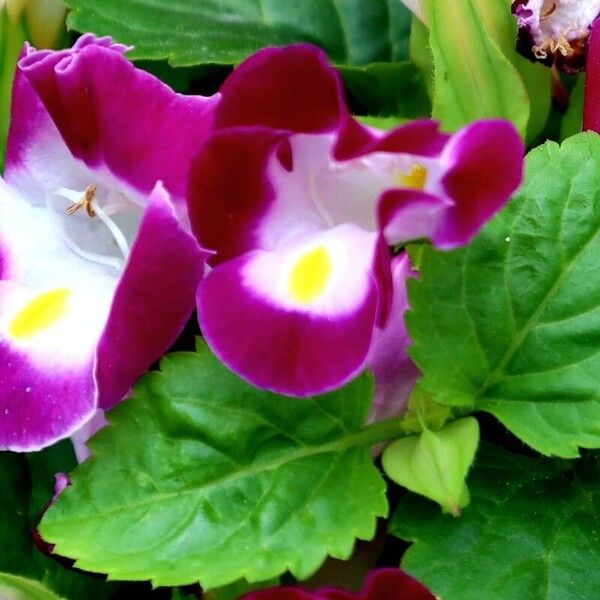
{"points": [[435, 464]]}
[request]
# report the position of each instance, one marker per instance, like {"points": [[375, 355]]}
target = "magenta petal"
{"points": [[153, 300], [394, 371], [422, 138], [387, 584], [115, 117], [484, 164], [405, 215], [381, 584], [89, 39], [39, 407], [277, 348], [292, 88], [229, 190], [36, 153], [382, 271]]}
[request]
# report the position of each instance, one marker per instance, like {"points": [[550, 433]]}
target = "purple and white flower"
{"points": [[301, 204], [97, 273]]}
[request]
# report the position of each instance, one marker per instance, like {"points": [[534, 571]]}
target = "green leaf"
{"points": [[387, 89], [12, 37], [537, 80], [511, 324], [473, 77], [191, 32], [572, 122], [420, 53], [536, 77], [43, 467], [386, 123], [531, 531], [14, 523], [236, 590], [201, 477], [180, 594], [13, 587], [27, 487], [435, 464], [476, 44], [502, 27]]}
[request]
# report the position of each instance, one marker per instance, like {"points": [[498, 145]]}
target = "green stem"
{"points": [[382, 431]]}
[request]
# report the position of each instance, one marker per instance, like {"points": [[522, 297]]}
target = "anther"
{"points": [[548, 12], [87, 201]]}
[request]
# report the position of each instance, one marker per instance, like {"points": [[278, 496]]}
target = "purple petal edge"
{"points": [[154, 299]]}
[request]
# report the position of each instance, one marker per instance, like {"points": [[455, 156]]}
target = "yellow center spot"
{"points": [[415, 179], [310, 275], [43, 311]]}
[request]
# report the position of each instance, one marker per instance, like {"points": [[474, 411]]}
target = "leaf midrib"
{"points": [[373, 434], [533, 320]]}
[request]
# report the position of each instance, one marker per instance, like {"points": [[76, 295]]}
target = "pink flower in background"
{"points": [[555, 31]]}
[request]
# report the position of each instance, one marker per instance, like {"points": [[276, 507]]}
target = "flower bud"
{"points": [[44, 19], [435, 464]]}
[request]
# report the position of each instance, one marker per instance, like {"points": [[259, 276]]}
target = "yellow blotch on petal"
{"points": [[415, 179], [42, 312], [310, 275]]}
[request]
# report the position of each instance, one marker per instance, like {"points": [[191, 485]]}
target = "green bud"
{"points": [[435, 464], [42, 22], [45, 22]]}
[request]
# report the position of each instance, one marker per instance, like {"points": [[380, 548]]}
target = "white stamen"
{"points": [[107, 261], [115, 231], [318, 203], [72, 195], [75, 196]]}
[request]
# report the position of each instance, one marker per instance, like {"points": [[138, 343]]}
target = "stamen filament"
{"points": [[100, 259], [115, 231], [85, 199]]}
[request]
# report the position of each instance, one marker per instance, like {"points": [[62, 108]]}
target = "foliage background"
{"points": [[200, 478]]}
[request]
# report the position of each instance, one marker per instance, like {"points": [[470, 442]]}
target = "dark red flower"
{"points": [[382, 584]]}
